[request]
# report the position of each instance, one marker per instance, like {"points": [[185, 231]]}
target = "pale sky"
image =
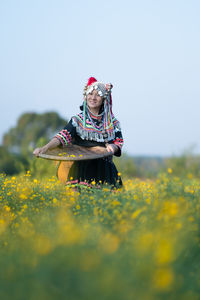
{"points": [[148, 50]]}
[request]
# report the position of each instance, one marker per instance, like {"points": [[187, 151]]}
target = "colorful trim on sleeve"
{"points": [[64, 137], [119, 142]]}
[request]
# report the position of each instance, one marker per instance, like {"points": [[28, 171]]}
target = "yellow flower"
{"points": [[178, 226], [169, 170], [164, 252], [163, 278], [96, 211], [189, 175], [23, 196], [170, 208], [136, 213], [7, 208], [54, 200], [115, 203], [78, 206], [148, 201]]}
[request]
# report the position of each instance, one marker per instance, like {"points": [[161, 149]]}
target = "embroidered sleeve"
{"points": [[119, 141], [66, 135]]}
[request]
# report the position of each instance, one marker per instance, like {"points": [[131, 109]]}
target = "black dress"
{"points": [[94, 172]]}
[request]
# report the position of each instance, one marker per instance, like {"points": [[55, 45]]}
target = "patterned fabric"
{"points": [[119, 142], [64, 137], [95, 131], [93, 134]]}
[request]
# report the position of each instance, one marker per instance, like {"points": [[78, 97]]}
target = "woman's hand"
{"points": [[40, 150], [52, 144], [111, 148]]}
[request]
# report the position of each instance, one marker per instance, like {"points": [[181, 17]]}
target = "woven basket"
{"points": [[75, 152], [65, 156]]}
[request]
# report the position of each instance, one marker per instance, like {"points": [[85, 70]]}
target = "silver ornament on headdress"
{"points": [[99, 86]]}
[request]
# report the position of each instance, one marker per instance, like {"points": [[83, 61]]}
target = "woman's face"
{"points": [[94, 100]]}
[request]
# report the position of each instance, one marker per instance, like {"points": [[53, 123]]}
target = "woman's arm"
{"points": [[54, 142], [63, 138]]}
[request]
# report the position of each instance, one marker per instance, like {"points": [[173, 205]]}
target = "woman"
{"points": [[94, 126]]}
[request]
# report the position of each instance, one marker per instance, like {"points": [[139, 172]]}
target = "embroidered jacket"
{"points": [[92, 135]]}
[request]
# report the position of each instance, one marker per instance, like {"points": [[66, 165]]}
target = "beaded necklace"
{"points": [[92, 114], [101, 122], [100, 126]]}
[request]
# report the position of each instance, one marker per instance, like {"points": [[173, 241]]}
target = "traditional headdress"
{"points": [[84, 122], [104, 90]]}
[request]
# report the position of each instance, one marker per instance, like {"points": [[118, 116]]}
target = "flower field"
{"points": [[140, 243]]}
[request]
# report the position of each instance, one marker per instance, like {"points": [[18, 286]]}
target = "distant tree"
{"points": [[184, 165], [11, 163], [139, 166], [148, 166], [32, 130], [41, 168], [30, 127]]}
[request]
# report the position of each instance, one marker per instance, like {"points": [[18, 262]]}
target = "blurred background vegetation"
{"points": [[34, 130]]}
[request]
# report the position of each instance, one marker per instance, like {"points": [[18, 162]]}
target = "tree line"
{"points": [[34, 130]]}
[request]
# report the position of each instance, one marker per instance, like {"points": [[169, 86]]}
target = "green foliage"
{"points": [[11, 163], [185, 165], [125, 165], [32, 130], [147, 166], [139, 166], [29, 129], [42, 168]]}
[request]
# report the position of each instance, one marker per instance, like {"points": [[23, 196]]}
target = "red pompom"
{"points": [[91, 80]]}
